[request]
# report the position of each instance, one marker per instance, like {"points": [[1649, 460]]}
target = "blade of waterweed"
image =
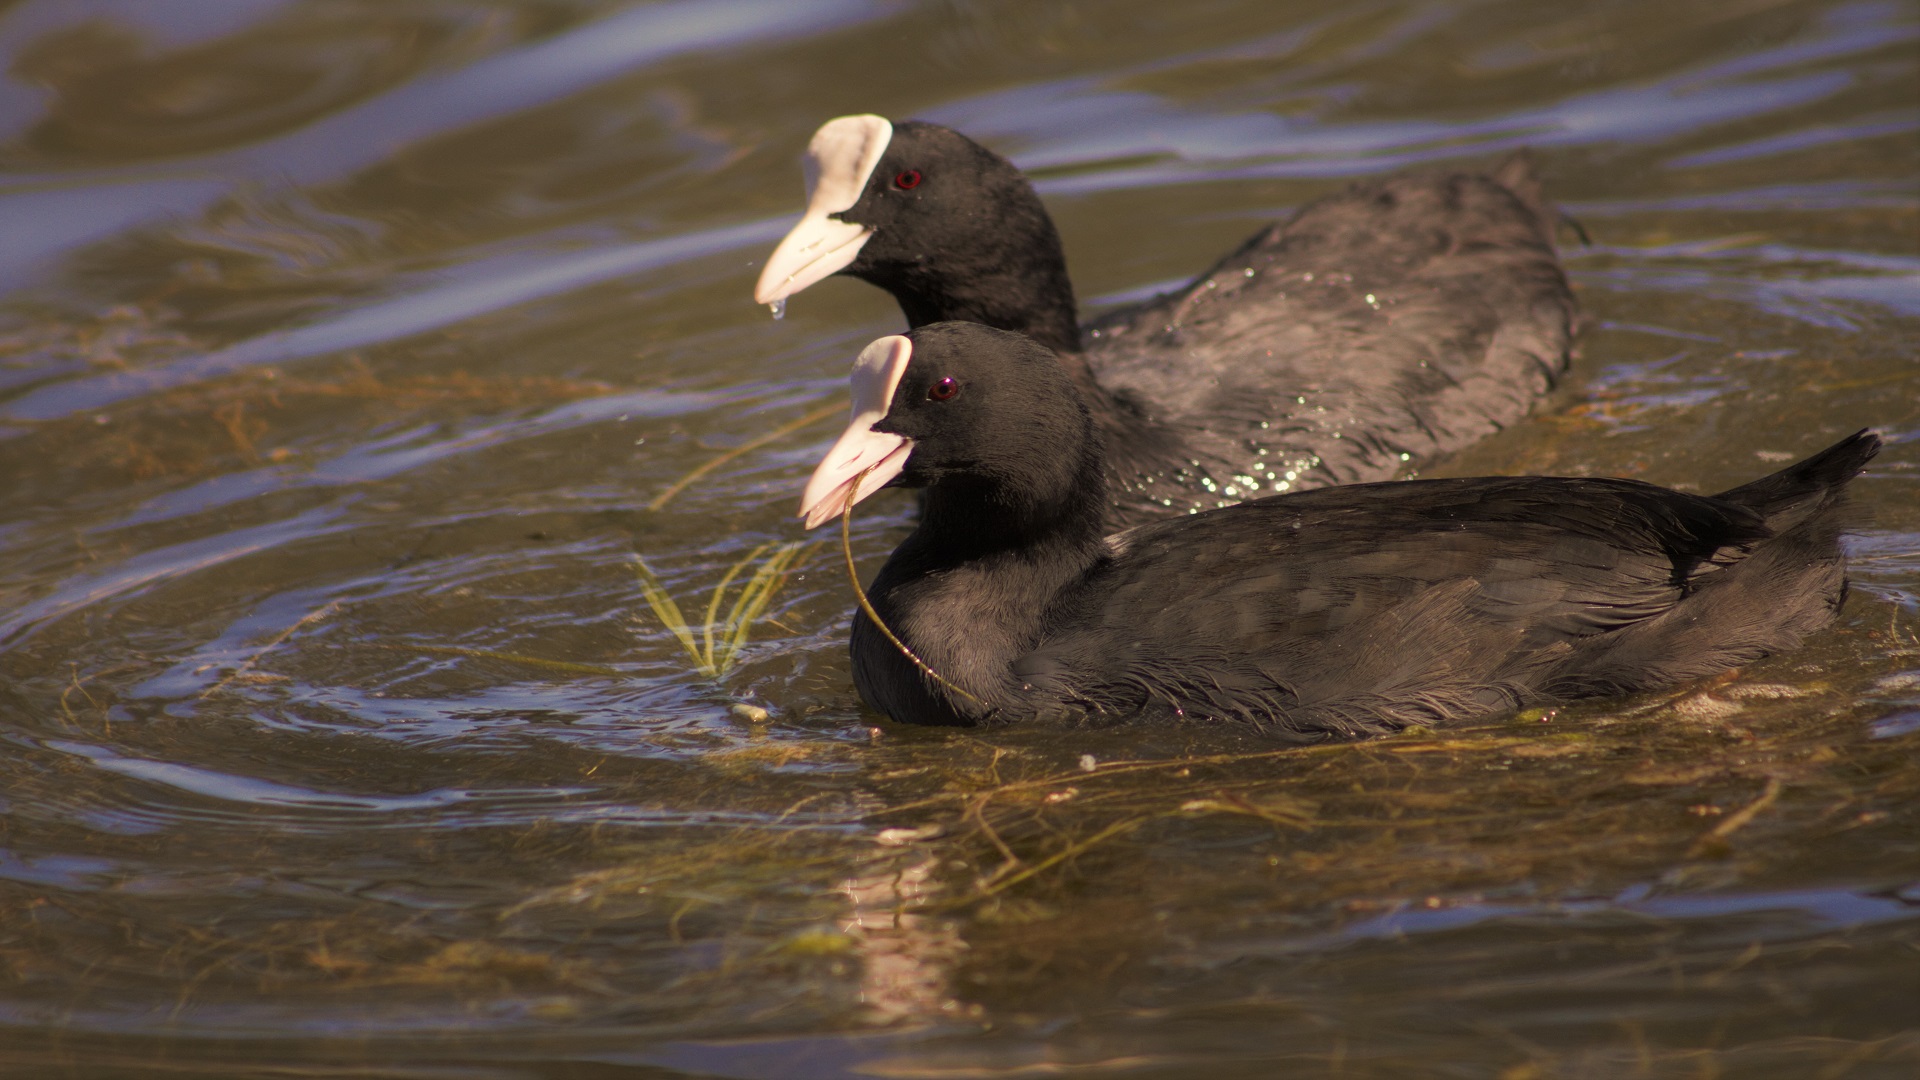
{"points": [[758, 594], [713, 605], [752, 601], [668, 613]]}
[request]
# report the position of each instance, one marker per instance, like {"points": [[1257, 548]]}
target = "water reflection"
{"points": [[479, 286], [335, 142]]}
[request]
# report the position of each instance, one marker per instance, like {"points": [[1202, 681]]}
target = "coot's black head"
{"points": [[968, 409], [947, 226]]}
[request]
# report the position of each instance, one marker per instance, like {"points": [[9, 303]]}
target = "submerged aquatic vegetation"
{"points": [[720, 640], [268, 416], [718, 645], [1693, 780], [745, 448]]}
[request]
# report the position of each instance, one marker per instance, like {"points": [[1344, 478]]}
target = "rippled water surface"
{"points": [[348, 347]]}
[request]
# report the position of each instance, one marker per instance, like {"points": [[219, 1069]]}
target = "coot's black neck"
{"points": [[1031, 297], [966, 520], [968, 589]]}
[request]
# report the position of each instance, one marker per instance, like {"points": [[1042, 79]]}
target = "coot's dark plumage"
{"points": [[1336, 612], [1381, 328]]}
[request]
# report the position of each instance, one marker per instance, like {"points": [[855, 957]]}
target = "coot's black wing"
{"points": [[1359, 609], [1386, 325]]}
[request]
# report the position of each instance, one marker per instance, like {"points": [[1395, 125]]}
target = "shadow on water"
{"points": [[349, 351]]}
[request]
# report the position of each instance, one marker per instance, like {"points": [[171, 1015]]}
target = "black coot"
{"points": [[1379, 329], [1337, 612]]}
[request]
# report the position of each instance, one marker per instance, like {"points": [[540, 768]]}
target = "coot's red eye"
{"points": [[943, 390], [908, 180]]}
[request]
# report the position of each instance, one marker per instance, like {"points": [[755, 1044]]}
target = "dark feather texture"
{"points": [[1381, 327], [1336, 612]]}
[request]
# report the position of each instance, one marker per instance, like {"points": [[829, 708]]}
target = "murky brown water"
{"points": [[345, 344]]}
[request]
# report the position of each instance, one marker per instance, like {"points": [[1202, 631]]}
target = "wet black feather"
{"points": [[1337, 612], [1380, 327]]}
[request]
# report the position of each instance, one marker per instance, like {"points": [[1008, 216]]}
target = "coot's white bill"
{"points": [[875, 376], [839, 162]]}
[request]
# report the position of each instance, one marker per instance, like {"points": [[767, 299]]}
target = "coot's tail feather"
{"points": [[1789, 585], [1519, 173], [1788, 497]]}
